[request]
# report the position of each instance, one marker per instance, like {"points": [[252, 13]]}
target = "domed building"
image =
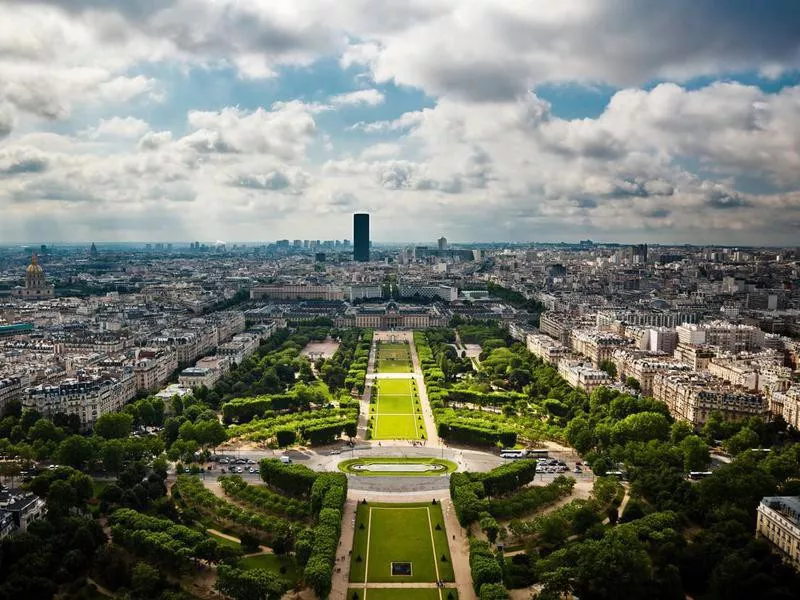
{"points": [[36, 286]]}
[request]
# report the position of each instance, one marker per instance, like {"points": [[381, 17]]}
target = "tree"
{"points": [[285, 437], [114, 425], [493, 591], [75, 451], [745, 439], [615, 567], [46, 431], [696, 456], [609, 367], [210, 433], [679, 431], [489, 526], [145, 580], [112, 454], [642, 427], [633, 383]]}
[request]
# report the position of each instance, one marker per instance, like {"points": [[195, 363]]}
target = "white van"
{"points": [[286, 460]]}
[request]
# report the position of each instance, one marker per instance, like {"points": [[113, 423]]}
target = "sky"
{"points": [[479, 120]]}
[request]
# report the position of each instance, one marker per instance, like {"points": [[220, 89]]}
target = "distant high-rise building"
{"points": [[93, 250], [361, 237], [442, 243], [298, 243]]}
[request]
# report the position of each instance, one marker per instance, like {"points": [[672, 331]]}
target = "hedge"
{"points": [[274, 532], [475, 431], [263, 499], [291, 479], [530, 499]]}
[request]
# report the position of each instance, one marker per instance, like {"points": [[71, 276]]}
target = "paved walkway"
{"points": [[459, 551], [341, 569], [363, 416]]}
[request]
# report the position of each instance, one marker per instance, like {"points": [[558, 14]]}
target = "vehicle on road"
{"points": [[286, 460]]}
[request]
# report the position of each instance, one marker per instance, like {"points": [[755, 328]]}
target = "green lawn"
{"points": [[399, 533], [386, 365], [394, 358], [225, 541], [395, 387], [394, 427], [273, 564], [402, 594], [395, 412], [395, 405], [346, 466]]}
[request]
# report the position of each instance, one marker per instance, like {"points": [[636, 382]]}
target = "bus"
{"points": [[509, 453], [538, 453], [621, 475], [695, 475]]}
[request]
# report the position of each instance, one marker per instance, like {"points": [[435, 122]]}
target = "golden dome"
{"points": [[34, 266]]}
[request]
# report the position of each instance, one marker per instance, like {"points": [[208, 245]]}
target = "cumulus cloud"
{"points": [[118, 127], [284, 131], [361, 97], [664, 162]]}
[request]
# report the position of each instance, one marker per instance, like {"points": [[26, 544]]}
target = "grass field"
{"points": [[394, 358], [396, 413], [225, 541], [273, 564], [400, 533], [445, 466], [402, 594]]}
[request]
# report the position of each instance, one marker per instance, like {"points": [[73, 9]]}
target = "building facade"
{"points": [[779, 523], [88, 396]]}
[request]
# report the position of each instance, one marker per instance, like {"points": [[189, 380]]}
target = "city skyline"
{"points": [[119, 123]]}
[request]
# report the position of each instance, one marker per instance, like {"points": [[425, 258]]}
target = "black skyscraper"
{"points": [[361, 237]]}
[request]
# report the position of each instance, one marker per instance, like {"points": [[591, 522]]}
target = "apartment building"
{"points": [[364, 292], [557, 325], [644, 367], [297, 292], [10, 389], [582, 376], [785, 403], [729, 337], [694, 357], [779, 523], [89, 395], [18, 509], [153, 367], [692, 397], [432, 292], [597, 346], [546, 348]]}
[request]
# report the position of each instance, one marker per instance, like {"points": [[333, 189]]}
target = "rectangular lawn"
{"points": [[395, 413], [395, 405], [395, 387], [402, 594], [400, 533], [393, 427]]}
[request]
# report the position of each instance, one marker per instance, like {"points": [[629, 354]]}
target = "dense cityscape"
{"points": [[595, 420]]}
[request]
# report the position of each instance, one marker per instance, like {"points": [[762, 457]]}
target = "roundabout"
{"points": [[397, 467]]}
